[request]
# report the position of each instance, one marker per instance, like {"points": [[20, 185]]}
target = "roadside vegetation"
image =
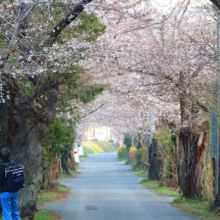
{"points": [[164, 181], [43, 215], [61, 192], [50, 195], [46, 215], [156, 186], [70, 174], [96, 147], [199, 207]]}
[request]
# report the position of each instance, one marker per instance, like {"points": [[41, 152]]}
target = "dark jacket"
{"points": [[2, 176]]}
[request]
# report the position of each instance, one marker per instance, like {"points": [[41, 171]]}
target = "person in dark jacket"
{"points": [[9, 200]]}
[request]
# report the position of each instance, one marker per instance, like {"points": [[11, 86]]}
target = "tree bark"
{"points": [[72, 160], [192, 158], [27, 122], [216, 205], [155, 162], [51, 176], [65, 162]]}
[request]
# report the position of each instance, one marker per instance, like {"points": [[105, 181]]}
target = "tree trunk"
{"points": [[216, 205], [72, 160], [192, 159], [56, 169], [154, 161], [27, 122], [51, 176], [65, 162]]}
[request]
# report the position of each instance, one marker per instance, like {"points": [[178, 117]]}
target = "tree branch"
{"points": [[93, 111], [65, 22], [216, 3]]}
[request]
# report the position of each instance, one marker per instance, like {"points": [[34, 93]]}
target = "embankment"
{"points": [[96, 147]]}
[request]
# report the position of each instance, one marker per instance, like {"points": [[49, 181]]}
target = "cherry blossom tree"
{"points": [[161, 61], [151, 61]]}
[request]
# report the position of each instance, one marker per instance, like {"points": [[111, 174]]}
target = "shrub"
{"points": [[122, 153], [131, 154], [169, 175], [139, 154], [133, 149]]}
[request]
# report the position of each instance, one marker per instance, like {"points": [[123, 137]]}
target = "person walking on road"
{"points": [[9, 199]]}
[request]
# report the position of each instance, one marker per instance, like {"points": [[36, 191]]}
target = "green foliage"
{"points": [[2, 41], [87, 94], [127, 141], [169, 174], [69, 77], [26, 86], [71, 89], [122, 153], [141, 155], [12, 60], [60, 137], [91, 26]]}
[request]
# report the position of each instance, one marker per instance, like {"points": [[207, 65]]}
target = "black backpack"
{"points": [[14, 176]]}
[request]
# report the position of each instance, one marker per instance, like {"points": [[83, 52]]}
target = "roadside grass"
{"points": [[155, 186], [122, 159], [84, 155], [45, 196], [141, 173], [106, 146], [67, 175], [96, 147], [87, 150], [45, 215], [127, 162], [197, 207], [41, 215], [61, 192]]}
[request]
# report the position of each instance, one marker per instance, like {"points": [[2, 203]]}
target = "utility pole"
{"points": [[218, 99], [214, 116]]}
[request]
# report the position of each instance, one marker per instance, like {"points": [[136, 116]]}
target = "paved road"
{"points": [[108, 190]]}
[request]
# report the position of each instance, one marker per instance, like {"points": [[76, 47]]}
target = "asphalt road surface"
{"points": [[109, 190]]}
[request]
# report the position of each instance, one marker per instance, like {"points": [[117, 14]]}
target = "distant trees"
{"points": [[41, 51], [127, 141], [161, 64]]}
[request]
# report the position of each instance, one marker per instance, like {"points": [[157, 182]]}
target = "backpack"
{"points": [[14, 176]]}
